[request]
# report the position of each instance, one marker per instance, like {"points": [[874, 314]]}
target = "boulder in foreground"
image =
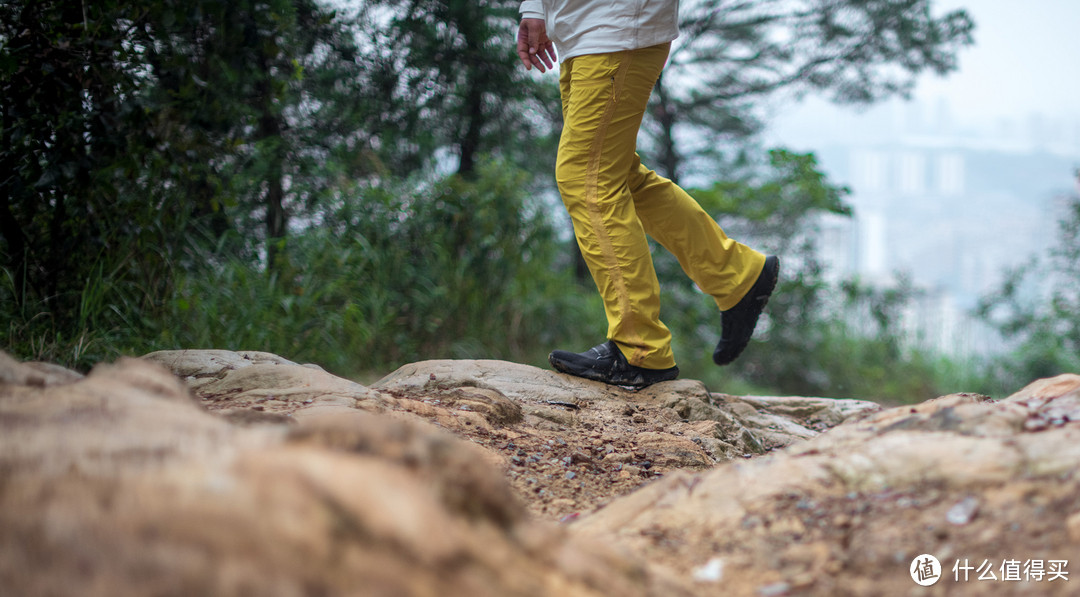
{"points": [[122, 484]]}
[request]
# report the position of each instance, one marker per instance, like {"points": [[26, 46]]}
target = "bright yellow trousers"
{"points": [[614, 201]]}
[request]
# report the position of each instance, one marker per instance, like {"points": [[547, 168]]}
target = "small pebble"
{"points": [[580, 457], [963, 512], [774, 590], [711, 571]]}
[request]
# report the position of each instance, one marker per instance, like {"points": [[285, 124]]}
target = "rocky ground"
{"points": [[567, 446], [561, 486]]}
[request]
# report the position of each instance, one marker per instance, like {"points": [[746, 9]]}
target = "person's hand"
{"points": [[533, 46]]}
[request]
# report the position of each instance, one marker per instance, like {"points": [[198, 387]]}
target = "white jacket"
{"points": [[600, 26]]}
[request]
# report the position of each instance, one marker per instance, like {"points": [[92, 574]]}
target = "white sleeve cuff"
{"points": [[532, 9]]}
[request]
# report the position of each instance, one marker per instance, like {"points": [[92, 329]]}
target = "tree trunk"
{"points": [[16, 244], [276, 219], [474, 113], [270, 131]]}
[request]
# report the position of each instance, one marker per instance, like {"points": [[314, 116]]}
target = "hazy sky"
{"points": [[1025, 65], [1026, 58]]}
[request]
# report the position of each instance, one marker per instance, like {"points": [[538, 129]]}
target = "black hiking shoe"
{"points": [[737, 323], [606, 363]]}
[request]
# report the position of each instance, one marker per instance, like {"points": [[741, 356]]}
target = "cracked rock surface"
{"points": [[216, 472]]}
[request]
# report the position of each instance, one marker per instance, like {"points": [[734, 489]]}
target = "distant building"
{"points": [[953, 218]]}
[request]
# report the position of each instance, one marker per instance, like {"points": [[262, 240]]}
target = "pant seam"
{"points": [[607, 249]]}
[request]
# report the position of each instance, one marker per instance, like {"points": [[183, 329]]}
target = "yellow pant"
{"points": [[614, 201]]}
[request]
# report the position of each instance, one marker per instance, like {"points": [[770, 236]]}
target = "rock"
{"points": [[459, 473], [774, 590], [963, 511], [489, 400], [809, 412], [516, 382], [244, 378], [243, 416], [712, 571], [554, 415], [756, 424], [1072, 526], [261, 475], [81, 428], [666, 450], [492, 404], [724, 424], [120, 484], [34, 374], [944, 477], [211, 364], [718, 450]]}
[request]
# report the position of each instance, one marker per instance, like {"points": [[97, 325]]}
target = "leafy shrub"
{"points": [[444, 268]]}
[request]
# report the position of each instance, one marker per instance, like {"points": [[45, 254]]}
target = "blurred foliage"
{"points": [[370, 185], [421, 269], [1037, 310], [461, 87], [71, 155]]}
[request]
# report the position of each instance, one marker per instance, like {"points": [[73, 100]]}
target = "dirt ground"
{"points": [[565, 460]]}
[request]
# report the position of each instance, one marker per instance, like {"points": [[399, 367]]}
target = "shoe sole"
{"points": [[636, 383]]}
